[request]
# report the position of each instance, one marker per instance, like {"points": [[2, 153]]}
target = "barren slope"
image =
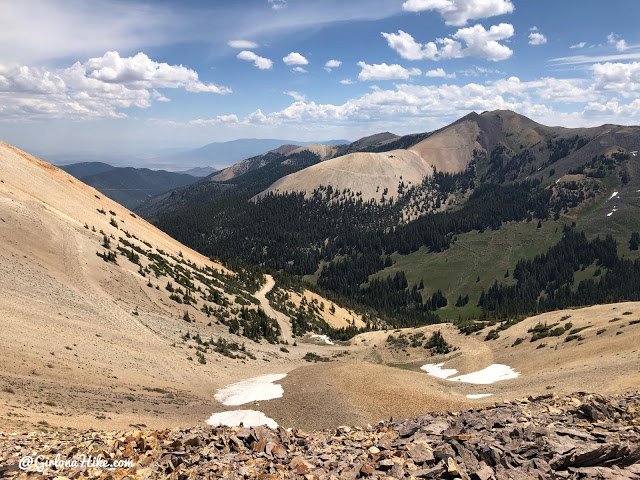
{"points": [[450, 150], [88, 342], [366, 173]]}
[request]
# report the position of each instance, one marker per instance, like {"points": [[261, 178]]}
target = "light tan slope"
{"points": [[367, 173], [450, 150], [88, 343], [29, 179], [323, 151]]}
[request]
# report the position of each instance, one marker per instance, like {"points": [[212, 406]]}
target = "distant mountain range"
{"points": [[223, 154], [127, 185]]}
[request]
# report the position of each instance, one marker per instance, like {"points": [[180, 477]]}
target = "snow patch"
{"points": [[613, 195], [323, 338], [436, 370], [609, 214], [493, 373], [477, 396], [251, 390], [248, 418], [635, 154]]}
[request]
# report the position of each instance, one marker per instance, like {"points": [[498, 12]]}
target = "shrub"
{"points": [[493, 335], [437, 344], [314, 357]]}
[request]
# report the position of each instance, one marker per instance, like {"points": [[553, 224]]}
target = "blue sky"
{"points": [[135, 77]]}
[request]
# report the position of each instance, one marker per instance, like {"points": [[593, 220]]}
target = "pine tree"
{"points": [[634, 243]]}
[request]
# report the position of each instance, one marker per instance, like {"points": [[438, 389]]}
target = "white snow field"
{"points": [[436, 370], [493, 373], [248, 418], [323, 338], [251, 390]]}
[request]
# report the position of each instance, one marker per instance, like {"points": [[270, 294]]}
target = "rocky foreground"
{"points": [[583, 436]]}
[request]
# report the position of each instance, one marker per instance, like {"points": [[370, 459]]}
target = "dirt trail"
{"points": [[283, 320]]}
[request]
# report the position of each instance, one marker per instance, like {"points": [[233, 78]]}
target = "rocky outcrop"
{"points": [[583, 436]]}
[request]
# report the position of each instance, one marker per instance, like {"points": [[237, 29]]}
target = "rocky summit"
{"points": [[549, 437]]}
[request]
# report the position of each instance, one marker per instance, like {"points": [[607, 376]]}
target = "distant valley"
{"points": [[127, 185]]}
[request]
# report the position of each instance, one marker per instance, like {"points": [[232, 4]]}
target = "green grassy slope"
{"points": [[487, 255]]}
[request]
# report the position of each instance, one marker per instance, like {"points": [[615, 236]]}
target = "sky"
{"points": [[141, 77]]}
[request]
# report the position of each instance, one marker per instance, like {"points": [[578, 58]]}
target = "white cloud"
{"points": [[579, 45], [440, 73], [220, 119], [243, 44], [536, 38], [294, 58], [298, 97], [620, 77], [619, 43], [278, 4], [382, 71], [408, 48], [299, 70], [459, 12], [347, 81], [478, 42], [431, 106], [100, 87], [140, 71], [260, 62], [484, 43], [331, 64]]}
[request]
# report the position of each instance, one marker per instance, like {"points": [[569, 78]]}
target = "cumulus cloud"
{"points": [[544, 99], [299, 70], [484, 43], [140, 71], [100, 87], [536, 38], [298, 97], [620, 77], [619, 43], [579, 45], [331, 64], [260, 62], [294, 58], [243, 44], [347, 81], [408, 48], [440, 73], [478, 42], [459, 12], [382, 71]]}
